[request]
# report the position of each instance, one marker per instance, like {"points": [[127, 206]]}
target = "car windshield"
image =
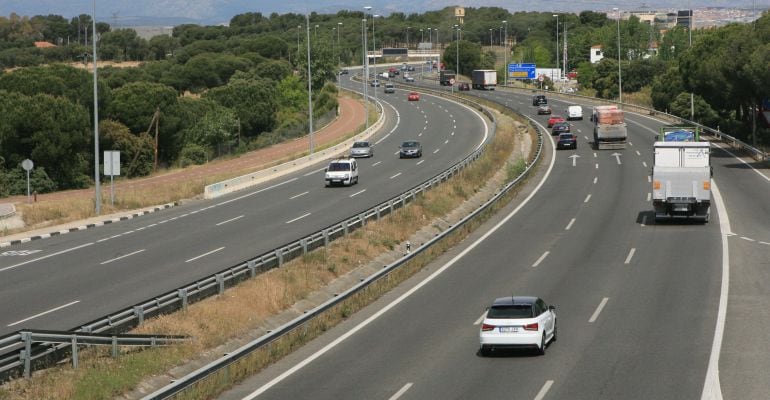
{"points": [[339, 166], [510, 311], [358, 145], [565, 136], [410, 144]]}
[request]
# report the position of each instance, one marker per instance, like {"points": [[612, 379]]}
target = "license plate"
{"points": [[509, 329]]}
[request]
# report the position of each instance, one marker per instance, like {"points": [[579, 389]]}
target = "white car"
{"points": [[517, 322], [342, 171]]}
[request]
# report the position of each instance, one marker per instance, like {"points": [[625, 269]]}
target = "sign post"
{"points": [[112, 168], [27, 164]]}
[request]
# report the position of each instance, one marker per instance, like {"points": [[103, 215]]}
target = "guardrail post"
{"points": [[114, 346], [390, 206], [221, 283], [182, 293], [74, 341], [279, 256], [362, 216], [326, 237], [139, 314], [252, 265], [377, 212], [303, 243], [345, 227], [26, 354]]}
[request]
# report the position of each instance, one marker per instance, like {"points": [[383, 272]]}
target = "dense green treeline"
{"points": [[225, 89]]}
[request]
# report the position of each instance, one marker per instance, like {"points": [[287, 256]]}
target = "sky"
{"points": [[220, 11]]}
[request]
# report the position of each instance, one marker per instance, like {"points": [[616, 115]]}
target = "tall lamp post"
{"points": [[364, 29], [505, 54], [557, 42], [457, 49], [407, 36], [620, 78], [310, 84], [490, 37], [689, 31], [339, 56], [96, 121]]}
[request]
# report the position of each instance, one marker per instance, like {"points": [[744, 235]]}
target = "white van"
{"points": [[342, 171], [574, 112]]}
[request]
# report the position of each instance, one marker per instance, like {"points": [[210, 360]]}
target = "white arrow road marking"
{"points": [[617, 157], [574, 158]]}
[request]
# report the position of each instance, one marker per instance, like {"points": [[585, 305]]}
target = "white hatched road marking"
{"points": [[205, 254], [298, 218], [45, 312], [121, 257], [598, 310], [539, 260], [630, 255]]}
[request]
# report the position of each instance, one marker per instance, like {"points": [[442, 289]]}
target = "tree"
{"points": [[137, 151], [135, 103], [253, 100], [215, 130], [123, 45]]}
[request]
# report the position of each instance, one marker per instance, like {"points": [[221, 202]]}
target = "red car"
{"points": [[414, 96], [554, 119]]}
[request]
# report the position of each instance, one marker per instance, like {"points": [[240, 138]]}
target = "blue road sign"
{"points": [[521, 71]]}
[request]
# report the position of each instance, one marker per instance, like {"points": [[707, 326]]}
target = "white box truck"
{"points": [[681, 176], [484, 79]]}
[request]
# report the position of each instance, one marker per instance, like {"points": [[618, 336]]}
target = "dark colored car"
{"points": [[545, 109], [463, 86], [560, 127], [539, 99], [344, 72], [410, 67], [566, 141], [410, 149]]}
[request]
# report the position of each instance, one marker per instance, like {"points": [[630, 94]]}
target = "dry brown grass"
{"points": [[243, 309]]}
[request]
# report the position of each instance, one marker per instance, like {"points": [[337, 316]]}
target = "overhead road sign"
{"points": [[521, 71]]}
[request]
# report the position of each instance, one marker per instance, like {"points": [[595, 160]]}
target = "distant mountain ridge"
{"points": [[213, 12]]}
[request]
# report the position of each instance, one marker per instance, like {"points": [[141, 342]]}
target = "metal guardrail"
{"points": [[179, 385], [75, 340], [11, 362]]}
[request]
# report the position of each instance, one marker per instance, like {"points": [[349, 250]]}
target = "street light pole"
{"points": [[407, 36], [620, 78], [689, 31], [490, 37], [339, 56], [309, 84], [557, 42], [96, 122], [505, 54], [365, 64]]}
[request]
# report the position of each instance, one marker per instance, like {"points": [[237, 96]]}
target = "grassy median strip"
{"points": [[246, 310]]}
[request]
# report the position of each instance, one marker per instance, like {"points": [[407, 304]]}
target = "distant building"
{"points": [[644, 16], [596, 54], [44, 45]]}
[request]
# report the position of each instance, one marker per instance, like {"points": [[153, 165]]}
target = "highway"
{"points": [[637, 302], [65, 281]]}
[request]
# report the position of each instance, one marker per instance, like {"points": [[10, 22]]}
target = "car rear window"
{"points": [[510, 311]]}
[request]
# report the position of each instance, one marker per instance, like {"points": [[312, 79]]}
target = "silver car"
{"points": [[362, 149]]}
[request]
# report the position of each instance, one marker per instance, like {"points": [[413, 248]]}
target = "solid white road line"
{"points": [[539, 260], [401, 392], [598, 310], [230, 220], [712, 389], [252, 193], [541, 394], [481, 318], [205, 254], [123, 256], [401, 298], [44, 257], [630, 255], [396, 175], [747, 164], [314, 172], [357, 193], [44, 313], [587, 198], [298, 195], [748, 239], [572, 221], [298, 218]]}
